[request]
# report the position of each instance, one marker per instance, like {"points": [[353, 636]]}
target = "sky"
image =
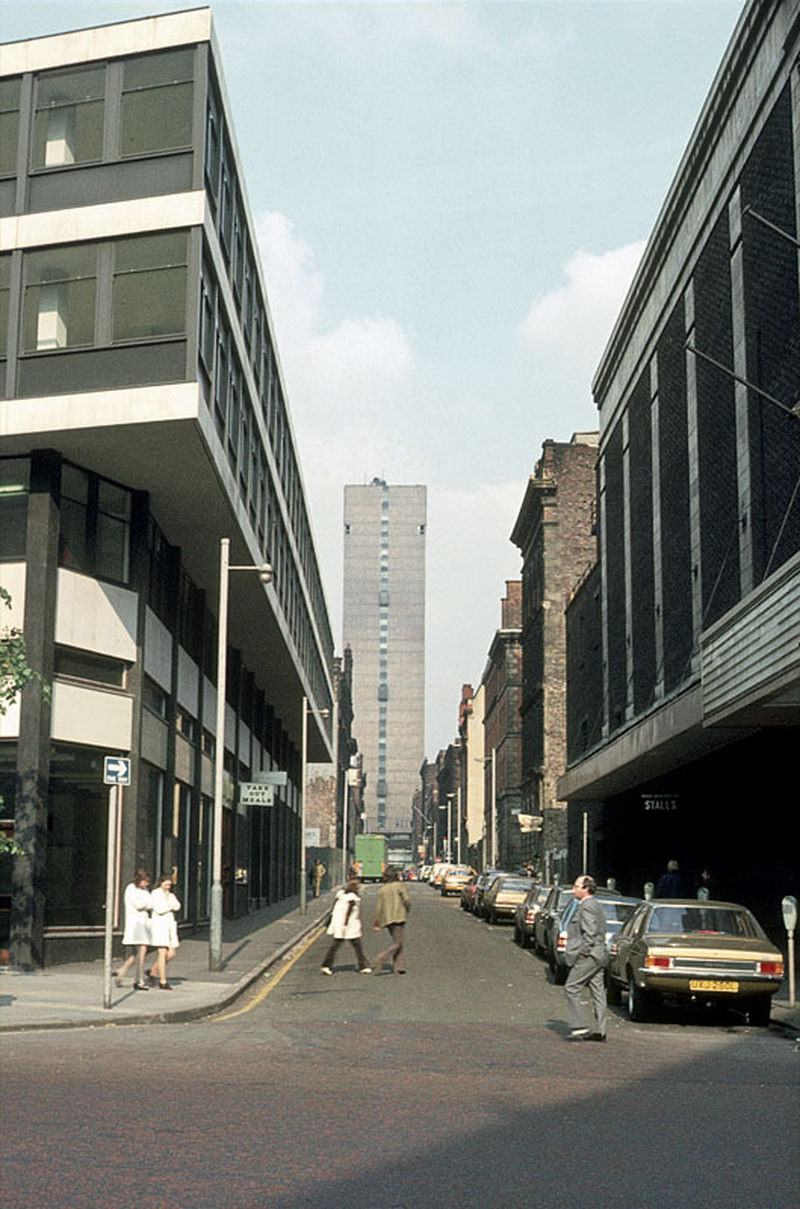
{"points": [[450, 201]]}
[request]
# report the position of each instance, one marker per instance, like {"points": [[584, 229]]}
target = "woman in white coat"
{"points": [[137, 928], [163, 928], [346, 925]]}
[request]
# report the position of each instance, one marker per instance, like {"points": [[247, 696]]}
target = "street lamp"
{"points": [[319, 713], [264, 572]]}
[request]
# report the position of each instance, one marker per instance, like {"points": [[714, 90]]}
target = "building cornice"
{"points": [[106, 42]]}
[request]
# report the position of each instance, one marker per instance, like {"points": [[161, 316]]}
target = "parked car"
{"points": [[484, 882], [468, 892], [435, 876], [454, 877], [544, 925], [616, 909], [501, 898], [695, 952], [526, 912]]}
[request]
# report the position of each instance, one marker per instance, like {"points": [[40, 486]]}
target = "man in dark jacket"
{"points": [[671, 884], [587, 958]]}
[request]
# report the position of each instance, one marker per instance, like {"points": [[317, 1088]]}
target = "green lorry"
{"points": [[370, 857]]}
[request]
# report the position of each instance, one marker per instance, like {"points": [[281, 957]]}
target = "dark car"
{"points": [[468, 893], [694, 951], [616, 908], [544, 925], [527, 910]]}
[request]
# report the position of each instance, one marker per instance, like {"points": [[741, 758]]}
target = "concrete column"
{"points": [[29, 878]]}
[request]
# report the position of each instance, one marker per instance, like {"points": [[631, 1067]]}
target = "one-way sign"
{"points": [[116, 770]]}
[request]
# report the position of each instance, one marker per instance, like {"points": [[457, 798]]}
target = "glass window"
{"points": [[9, 125], [157, 102], [68, 127], [60, 290], [149, 297], [73, 540], [14, 480], [213, 143], [5, 283], [94, 535], [87, 665], [154, 697], [112, 554]]}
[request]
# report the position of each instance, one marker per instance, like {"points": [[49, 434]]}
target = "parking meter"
{"points": [[649, 890], [789, 909]]}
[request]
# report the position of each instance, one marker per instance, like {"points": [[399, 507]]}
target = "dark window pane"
{"points": [[59, 298], [150, 287], [157, 119], [14, 473], [9, 126], [69, 118], [5, 276], [72, 537], [170, 67]]}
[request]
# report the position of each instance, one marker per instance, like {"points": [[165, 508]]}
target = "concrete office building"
{"points": [[384, 624], [684, 645], [143, 418]]}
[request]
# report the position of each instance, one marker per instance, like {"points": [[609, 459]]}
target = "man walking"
{"points": [[391, 912], [587, 958]]}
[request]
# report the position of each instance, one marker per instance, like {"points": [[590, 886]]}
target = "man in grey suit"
{"points": [[587, 958]]}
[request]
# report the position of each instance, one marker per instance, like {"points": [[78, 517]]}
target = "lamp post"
{"points": [[264, 572], [320, 713]]}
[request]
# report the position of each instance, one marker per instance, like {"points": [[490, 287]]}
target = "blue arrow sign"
{"points": [[116, 770]]}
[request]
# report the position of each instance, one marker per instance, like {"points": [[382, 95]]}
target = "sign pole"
{"points": [[113, 793]]}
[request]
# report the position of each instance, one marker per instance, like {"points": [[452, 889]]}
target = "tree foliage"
{"points": [[15, 674]]}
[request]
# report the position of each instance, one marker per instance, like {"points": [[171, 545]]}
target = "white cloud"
{"points": [[348, 387], [567, 328]]}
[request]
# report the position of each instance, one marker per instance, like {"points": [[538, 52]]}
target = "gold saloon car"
{"points": [[695, 951]]}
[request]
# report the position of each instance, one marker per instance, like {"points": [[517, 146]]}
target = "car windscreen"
{"points": [[515, 883], [700, 921]]}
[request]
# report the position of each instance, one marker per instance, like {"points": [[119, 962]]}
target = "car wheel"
{"points": [[525, 940], [638, 1001], [758, 1008], [613, 991]]}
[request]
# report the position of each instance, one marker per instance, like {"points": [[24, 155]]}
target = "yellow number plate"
{"points": [[709, 984]]}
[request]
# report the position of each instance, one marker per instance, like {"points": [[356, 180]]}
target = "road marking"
{"points": [[273, 982]]}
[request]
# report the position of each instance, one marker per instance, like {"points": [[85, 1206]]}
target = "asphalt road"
{"points": [[449, 1088]]}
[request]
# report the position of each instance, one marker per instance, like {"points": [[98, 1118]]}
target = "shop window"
{"points": [[149, 296], [68, 127], [9, 126], [60, 291], [157, 102], [87, 665], [14, 481]]}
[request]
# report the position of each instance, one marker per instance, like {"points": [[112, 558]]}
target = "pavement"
{"points": [[71, 995]]}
